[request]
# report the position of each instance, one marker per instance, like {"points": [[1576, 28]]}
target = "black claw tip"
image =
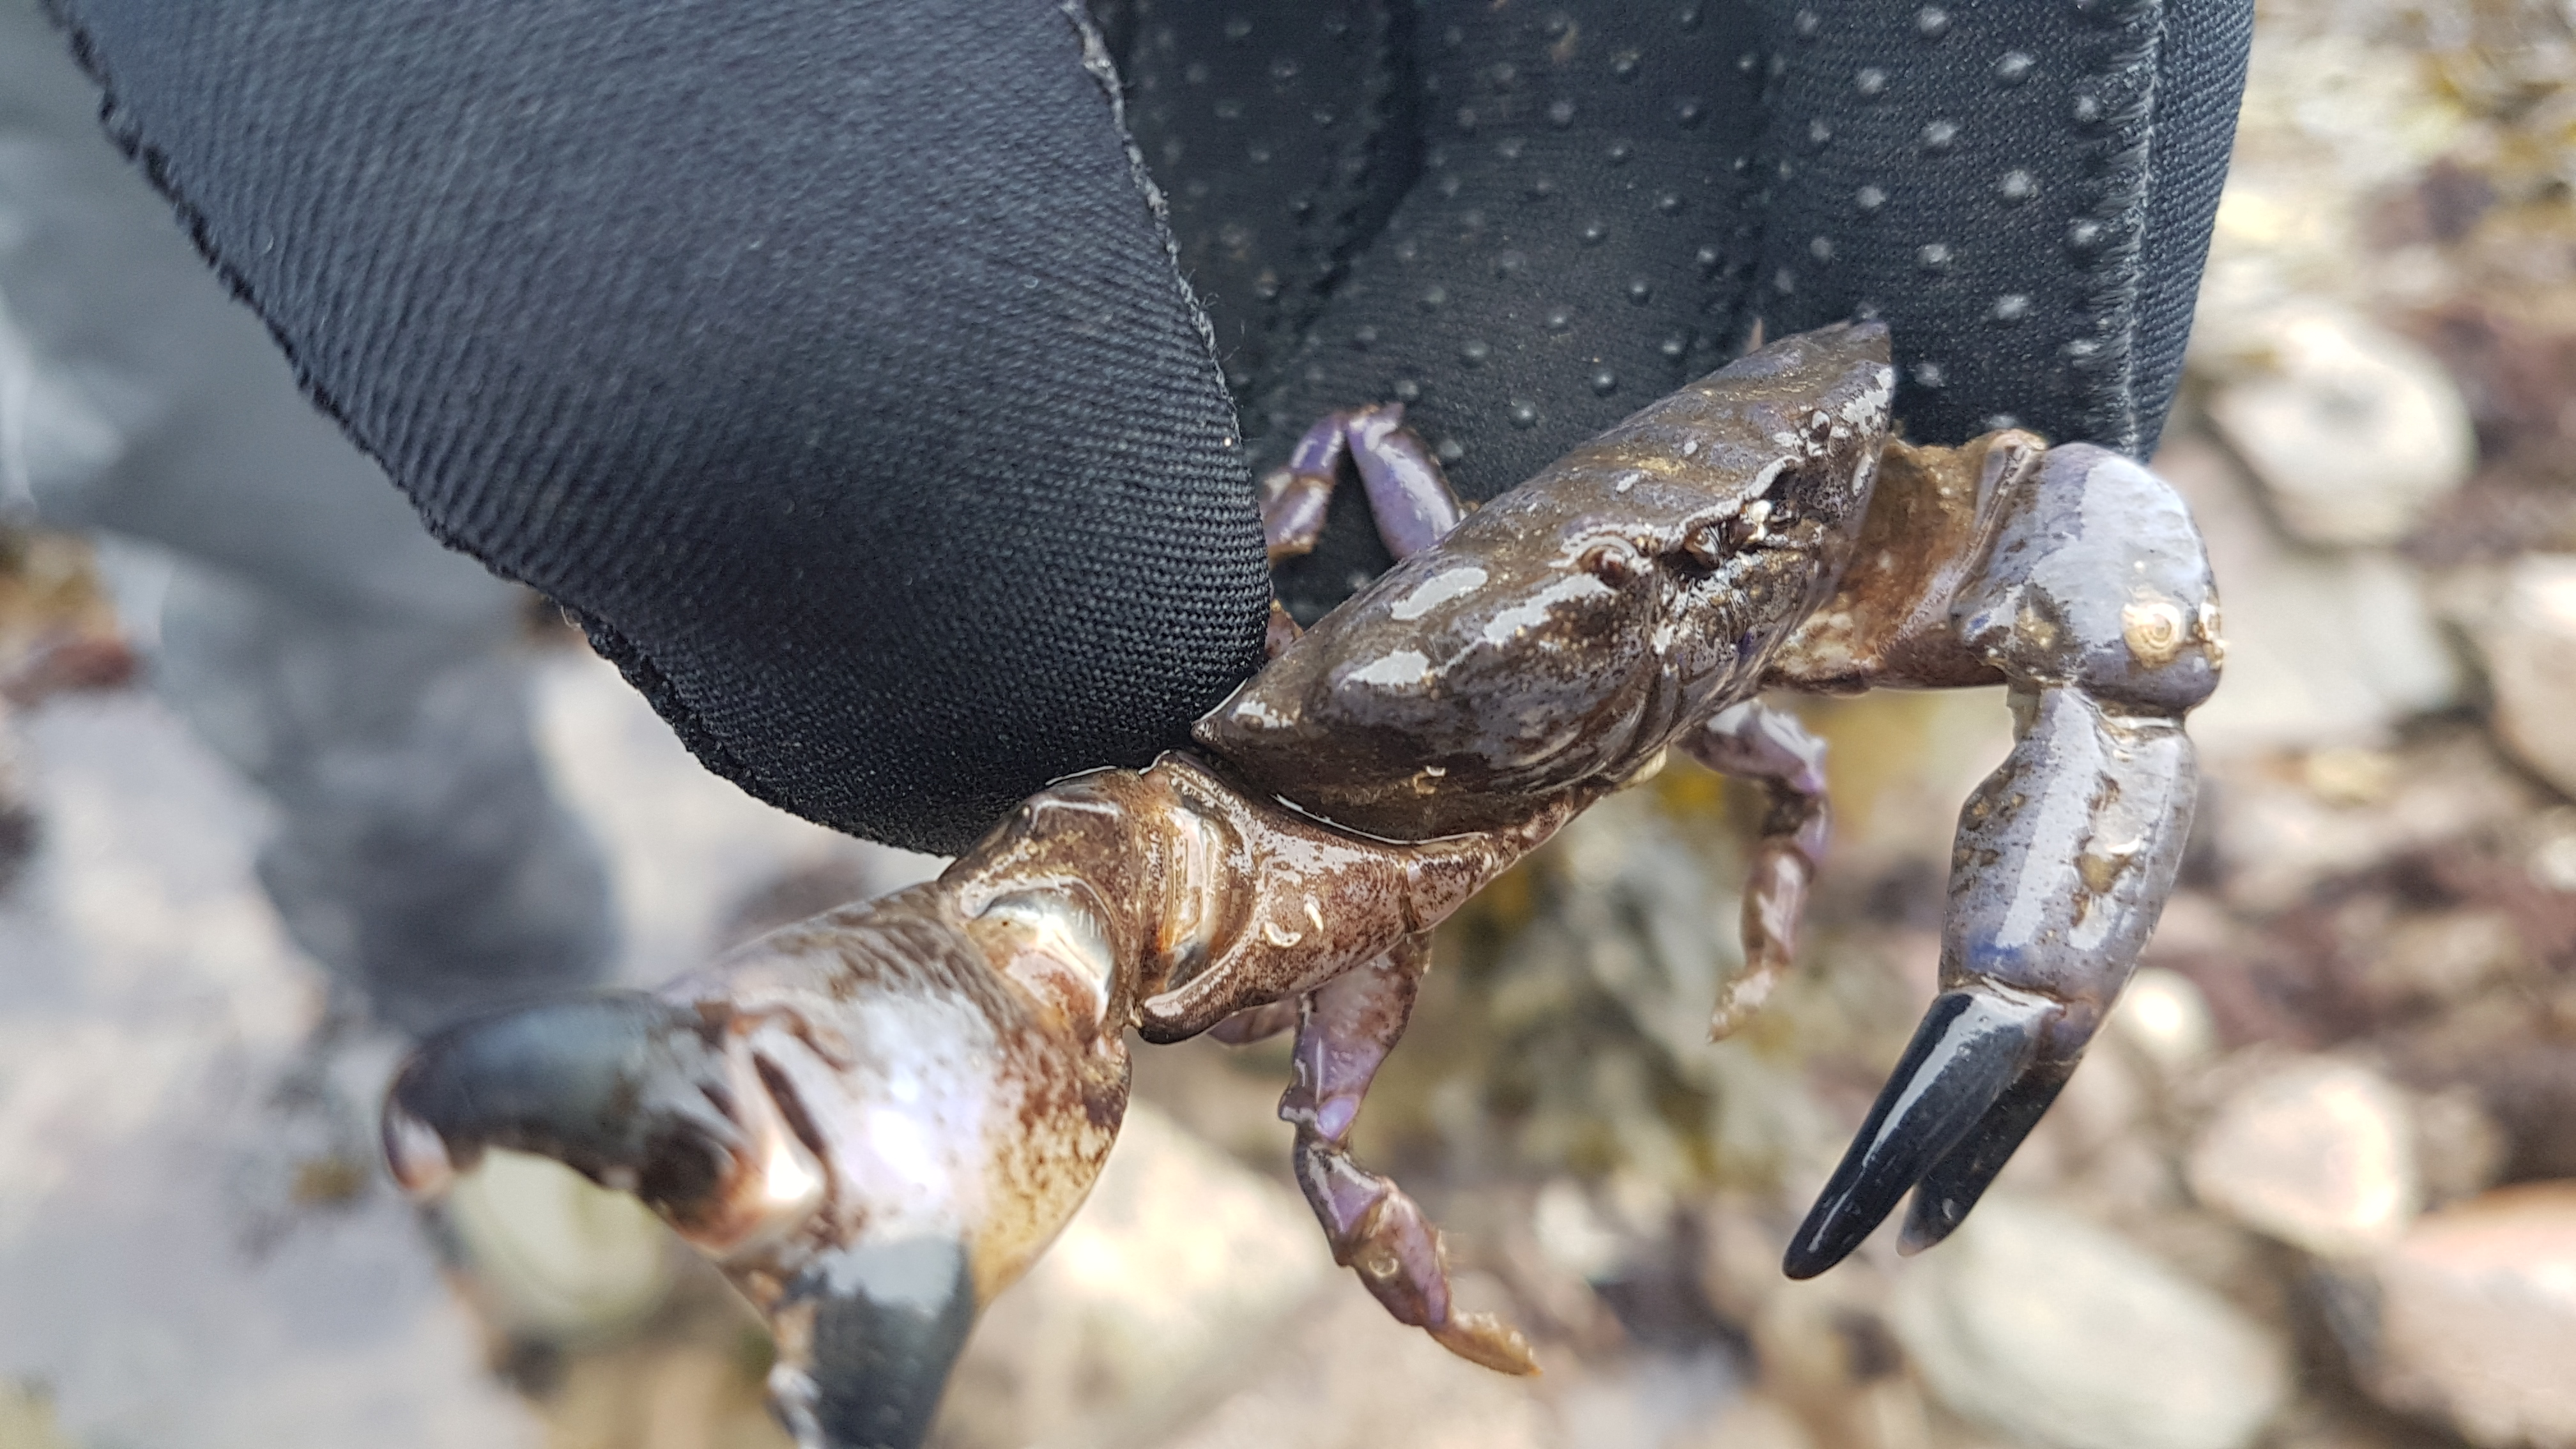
{"points": [[881, 1325], [1971, 1047], [1952, 1187], [617, 1085]]}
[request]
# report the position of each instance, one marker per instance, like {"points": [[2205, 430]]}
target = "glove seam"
{"points": [[1103, 70]]}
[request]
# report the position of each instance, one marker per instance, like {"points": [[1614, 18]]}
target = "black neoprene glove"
{"points": [[829, 360]]}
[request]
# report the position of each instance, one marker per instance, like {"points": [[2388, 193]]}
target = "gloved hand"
{"points": [[832, 363]]}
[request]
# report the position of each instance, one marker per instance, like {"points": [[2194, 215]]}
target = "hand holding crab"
{"points": [[876, 1119]]}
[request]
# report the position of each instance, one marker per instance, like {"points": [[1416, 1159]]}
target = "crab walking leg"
{"points": [[1409, 497], [1345, 1030], [1295, 495], [1753, 741], [2092, 597]]}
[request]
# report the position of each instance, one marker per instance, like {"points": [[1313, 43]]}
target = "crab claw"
{"points": [[1971, 1050], [624, 1088], [2064, 859], [877, 1327], [858, 1118], [2095, 603]]}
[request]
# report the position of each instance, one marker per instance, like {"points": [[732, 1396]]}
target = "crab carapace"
{"points": [[876, 1119]]}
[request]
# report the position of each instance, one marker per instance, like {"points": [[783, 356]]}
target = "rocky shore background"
{"points": [[2315, 1188]]}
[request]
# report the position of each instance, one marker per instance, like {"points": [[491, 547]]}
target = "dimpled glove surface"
{"points": [[831, 362]]}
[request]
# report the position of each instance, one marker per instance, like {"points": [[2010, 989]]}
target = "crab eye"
{"points": [[1612, 561], [1752, 523], [1708, 544], [1713, 542]]}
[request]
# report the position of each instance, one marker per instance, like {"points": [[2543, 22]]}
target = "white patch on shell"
{"points": [[909, 1149], [1434, 591], [1404, 666], [1254, 712], [1871, 400], [1513, 622]]}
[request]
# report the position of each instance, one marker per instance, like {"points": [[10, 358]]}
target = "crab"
{"points": [[877, 1119]]}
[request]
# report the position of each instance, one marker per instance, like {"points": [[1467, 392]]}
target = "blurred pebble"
{"points": [[2354, 433], [1571, 1233], [2164, 1018], [2438, 956], [693, 1387], [1346, 1377], [1754, 1420], [2322, 649], [1828, 1353], [1819, 1342], [1171, 1278], [2476, 1318], [1739, 1255], [1648, 1398], [2044, 1327], [2349, 775], [553, 1256], [2550, 840], [2278, 841], [2530, 649], [2319, 1153], [2460, 1148], [2529, 1087], [27, 1420]]}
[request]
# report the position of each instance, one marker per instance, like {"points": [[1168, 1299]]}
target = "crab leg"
{"points": [[1408, 495], [1346, 1027], [2091, 597], [1753, 741], [1345, 1030]]}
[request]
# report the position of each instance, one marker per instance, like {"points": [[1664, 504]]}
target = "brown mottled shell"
{"points": [[1565, 633]]}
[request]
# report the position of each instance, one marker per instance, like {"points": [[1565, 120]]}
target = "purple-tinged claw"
{"points": [[1409, 496], [1971, 1048]]}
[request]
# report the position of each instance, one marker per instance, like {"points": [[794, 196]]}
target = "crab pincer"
{"points": [[2090, 597], [869, 1129]]}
